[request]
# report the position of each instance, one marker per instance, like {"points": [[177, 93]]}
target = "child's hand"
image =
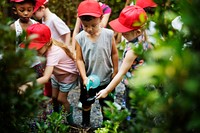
{"points": [[23, 88], [102, 94], [85, 82]]}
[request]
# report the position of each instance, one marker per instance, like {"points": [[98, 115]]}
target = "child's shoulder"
{"points": [[12, 26], [13, 23], [107, 31], [33, 21]]}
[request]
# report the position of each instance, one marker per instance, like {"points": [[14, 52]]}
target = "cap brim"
{"points": [[118, 27], [90, 14], [32, 45], [17, 0]]}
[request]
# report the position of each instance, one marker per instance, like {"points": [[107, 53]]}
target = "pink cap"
{"points": [[43, 36], [89, 7], [130, 18]]}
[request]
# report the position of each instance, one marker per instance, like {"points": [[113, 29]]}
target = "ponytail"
{"points": [[64, 47]]}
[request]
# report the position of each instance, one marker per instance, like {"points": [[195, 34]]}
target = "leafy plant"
{"points": [[53, 123], [165, 91], [15, 71]]}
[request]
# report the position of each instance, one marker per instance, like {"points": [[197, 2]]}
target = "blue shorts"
{"points": [[63, 87]]}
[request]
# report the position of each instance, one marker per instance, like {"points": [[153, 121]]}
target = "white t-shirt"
{"points": [[57, 27], [19, 31]]}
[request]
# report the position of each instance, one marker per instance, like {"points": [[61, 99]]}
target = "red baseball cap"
{"points": [[89, 7], [16, 0], [43, 36], [130, 18], [39, 3], [145, 3]]}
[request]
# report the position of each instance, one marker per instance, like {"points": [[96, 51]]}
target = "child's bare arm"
{"points": [[76, 31], [46, 76], [126, 64], [115, 57], [42, 80], [80, 63], [12, 26]]}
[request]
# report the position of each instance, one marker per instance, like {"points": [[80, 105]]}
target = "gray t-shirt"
{"points": [[97, 55]]}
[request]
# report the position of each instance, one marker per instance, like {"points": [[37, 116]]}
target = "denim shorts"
{"points": [[63, 87]]}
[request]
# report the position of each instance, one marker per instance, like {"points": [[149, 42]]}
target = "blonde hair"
{"points": [[63, 46]]}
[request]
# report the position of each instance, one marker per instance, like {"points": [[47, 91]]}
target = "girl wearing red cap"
{"points": [[60, 65], [131, 24]]}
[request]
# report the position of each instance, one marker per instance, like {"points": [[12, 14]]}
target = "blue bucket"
{"points": [[93, 82]]}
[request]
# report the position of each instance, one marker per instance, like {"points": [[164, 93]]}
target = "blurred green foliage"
{"points": [[53, 124], [165, 91], [67, 9], [16, 109]]}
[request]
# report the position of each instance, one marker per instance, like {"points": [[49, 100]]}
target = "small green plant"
{"points": [[115, 122], [53, 124]]}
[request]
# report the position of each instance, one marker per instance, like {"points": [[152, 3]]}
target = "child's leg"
{"points": [[128, 104], [62, 98], [64, 89], [54, 100], [86, 105], [86, 115]]}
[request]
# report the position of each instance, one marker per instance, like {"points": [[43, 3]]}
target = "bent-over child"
{"points": [[131, 23], [60, 66]]}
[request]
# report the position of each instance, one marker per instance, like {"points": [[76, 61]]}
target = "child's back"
{"points": [[60, 31]]}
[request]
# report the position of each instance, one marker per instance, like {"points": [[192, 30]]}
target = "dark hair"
{"points": [[87, 17], [26, 1], [150, 10]]}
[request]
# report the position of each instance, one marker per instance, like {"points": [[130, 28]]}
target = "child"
{"points": [[59, 30], [60, 66], [24, 10], [106, 15], [96, 53], [78, 26], [130, 23], [149, 6]]}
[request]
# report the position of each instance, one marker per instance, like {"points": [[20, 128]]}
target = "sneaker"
{"points": [[79, 105]]}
